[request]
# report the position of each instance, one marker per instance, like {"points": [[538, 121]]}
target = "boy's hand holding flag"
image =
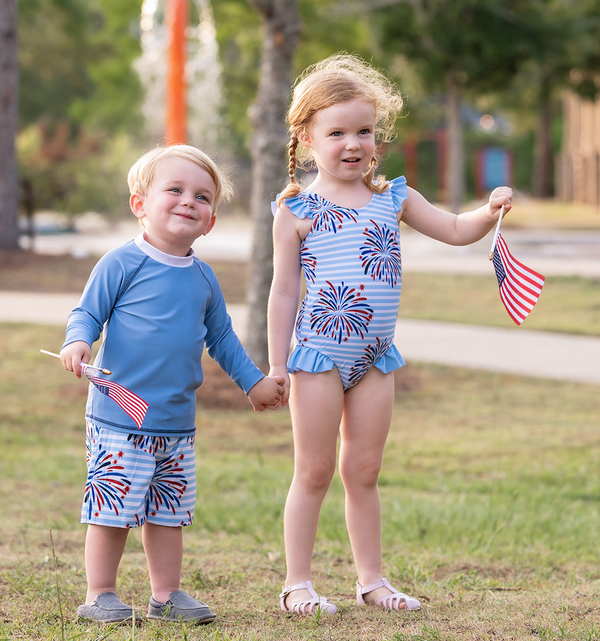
{"points": [[130, 403]]}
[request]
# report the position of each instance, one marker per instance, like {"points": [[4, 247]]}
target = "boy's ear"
{"points": [[136, 204], [211, 224]]}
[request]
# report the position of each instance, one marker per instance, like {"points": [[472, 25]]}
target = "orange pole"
{"points": [[177, 22]]}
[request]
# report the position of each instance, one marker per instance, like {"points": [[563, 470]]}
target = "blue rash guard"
{"points": [[158, 312]]}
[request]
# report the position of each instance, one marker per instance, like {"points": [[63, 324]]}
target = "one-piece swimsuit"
{"points": [[353, 273]]}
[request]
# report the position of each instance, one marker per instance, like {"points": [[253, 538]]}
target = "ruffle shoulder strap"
{"points": [[297, 205], [399, 191]]}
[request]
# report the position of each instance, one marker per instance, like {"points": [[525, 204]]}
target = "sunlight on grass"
{"points": [[567, 304]]}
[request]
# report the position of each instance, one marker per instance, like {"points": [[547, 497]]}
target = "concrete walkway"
{"points": [[518, 350]]}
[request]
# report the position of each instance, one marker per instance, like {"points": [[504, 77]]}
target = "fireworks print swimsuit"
{"points": [[353, 272]]}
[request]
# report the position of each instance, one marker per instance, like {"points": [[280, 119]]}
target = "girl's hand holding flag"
{"points": [[520, 286]]}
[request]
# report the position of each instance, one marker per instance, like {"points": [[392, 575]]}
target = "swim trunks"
{"points": [[136, 478]]}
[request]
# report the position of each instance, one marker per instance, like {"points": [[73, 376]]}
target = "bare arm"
{"points": [[285, 293], [464, 229]]}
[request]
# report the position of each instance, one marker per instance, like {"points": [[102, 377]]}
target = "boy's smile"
{"points": [[178, 207]]}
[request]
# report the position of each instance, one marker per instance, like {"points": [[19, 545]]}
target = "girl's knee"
{"points": [[315, 477]]}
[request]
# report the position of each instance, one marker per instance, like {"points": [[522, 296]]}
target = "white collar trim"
{"points": [[161, 257]]}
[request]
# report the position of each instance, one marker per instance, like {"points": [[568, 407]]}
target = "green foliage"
{"points": [[79, 101], [75, 62], [77, 176], [325, 31]]}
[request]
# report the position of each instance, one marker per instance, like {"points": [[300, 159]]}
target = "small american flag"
{"points": [[130, 403], [520, 286]]}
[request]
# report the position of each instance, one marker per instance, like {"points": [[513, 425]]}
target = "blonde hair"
{"points": [[338, 79], [142, 173]]}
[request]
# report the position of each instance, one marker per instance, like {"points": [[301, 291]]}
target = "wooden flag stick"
{"points": [[495, 241], [100, 369]]}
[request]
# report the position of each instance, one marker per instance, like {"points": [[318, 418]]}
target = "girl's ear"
{"points": [[136, 204], [304, 138]]}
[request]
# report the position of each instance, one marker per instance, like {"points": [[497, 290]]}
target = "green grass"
{"points": [[567, 304], [489, 488]]}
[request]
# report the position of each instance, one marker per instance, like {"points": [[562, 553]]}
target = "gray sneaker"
{"points": [[107, 608], [180, 607]]}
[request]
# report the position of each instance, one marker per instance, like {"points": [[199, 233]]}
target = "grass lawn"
{"points": [[490, 496]]}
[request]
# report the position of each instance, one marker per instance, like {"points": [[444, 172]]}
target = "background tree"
{"points": [[457, 45], [563, 53], [281, 27], [79, 100], [9, 234]]}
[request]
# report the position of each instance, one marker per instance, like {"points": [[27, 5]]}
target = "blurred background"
{"points": [[510, 84], [496, 92]]}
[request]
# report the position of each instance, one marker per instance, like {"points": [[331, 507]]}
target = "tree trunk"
{"points": [[281, 27], [9, 198], [455, 166], [542, 158]]}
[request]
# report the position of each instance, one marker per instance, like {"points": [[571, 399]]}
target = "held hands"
{"points": [[500, 196], [280, 372], [267, 393], [72, 355]]}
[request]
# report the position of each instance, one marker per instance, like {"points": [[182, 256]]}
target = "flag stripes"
{"points": [[520, 286], [130, 403]]}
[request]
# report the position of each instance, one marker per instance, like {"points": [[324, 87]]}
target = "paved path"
{"points": [[518, 350], [551, 252]]}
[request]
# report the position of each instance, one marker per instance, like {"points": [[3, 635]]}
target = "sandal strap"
{"points": [[305, 585], [306, 606], [390, 601], [382, 583]]}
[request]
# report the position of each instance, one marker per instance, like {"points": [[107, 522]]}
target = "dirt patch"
{"points": [[28, 272], [24, 271], [218, 391]]}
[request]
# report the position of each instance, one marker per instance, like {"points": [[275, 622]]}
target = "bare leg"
{"points": [[365, 426], [316, 402], [103, 551], [164, 555]]}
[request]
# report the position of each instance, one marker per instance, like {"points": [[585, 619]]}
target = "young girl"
{"points": [[342, 233]]}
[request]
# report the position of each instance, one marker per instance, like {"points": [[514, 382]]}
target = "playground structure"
{"points": [[493, 165], [578, 165]]}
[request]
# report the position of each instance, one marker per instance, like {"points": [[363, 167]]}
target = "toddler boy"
{"points": [[157, 305]]}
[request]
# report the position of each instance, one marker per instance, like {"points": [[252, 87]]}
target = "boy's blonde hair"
{"points": [[142, 173], [338, 79]]}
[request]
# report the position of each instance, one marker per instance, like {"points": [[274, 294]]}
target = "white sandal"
{"points": [[306, 607], [389, 601]]}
